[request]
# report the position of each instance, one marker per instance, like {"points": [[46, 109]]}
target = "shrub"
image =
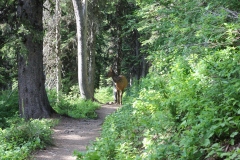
{"points": [[104, 94], [21, 138], [73, 106], [190, 113]]}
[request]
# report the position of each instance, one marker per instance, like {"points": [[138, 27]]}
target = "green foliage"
{"points": [[110, 140], [188, 105], [8, 63], [9, 43], [8, 106], [72, 105], [193, 116], [21, 138], [104, 94]]}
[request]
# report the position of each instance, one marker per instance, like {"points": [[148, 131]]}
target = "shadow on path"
{"points": [[74, 134]]}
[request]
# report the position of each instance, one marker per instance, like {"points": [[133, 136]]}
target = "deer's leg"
{"points": [[115, 96], [118, 97], [121, 97], [115, 93]]}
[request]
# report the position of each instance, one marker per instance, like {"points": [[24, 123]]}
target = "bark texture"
{"points": [[33, 100]]}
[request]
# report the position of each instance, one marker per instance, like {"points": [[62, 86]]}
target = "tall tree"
{"points": [[58, 50], [33, 100], [93, 25], [49, 44], [80, 10]]}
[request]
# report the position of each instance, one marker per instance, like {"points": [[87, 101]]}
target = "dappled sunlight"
{"points": [[74, 134]]}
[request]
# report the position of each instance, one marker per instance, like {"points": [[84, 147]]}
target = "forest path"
{"points": [[74, 134]]}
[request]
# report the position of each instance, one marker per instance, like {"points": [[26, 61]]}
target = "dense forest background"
{"points": [[182, 60]]}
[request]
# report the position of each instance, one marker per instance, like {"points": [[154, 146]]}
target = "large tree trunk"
{"points": [[80, 10], [33, 101]]}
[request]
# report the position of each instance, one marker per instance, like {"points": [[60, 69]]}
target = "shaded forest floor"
{"points": [[74, 134]]}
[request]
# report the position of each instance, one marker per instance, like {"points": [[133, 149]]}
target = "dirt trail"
{"points": [[74, 134]]}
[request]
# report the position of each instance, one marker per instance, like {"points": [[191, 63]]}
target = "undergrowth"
{"points": [[8, 106], [21, 138], [104, 94], [18, 138], [72, 105], [193, 112]]}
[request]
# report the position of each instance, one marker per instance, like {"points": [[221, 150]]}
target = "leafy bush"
{"points": [[21, 138], [104, 94], [73, 106]]}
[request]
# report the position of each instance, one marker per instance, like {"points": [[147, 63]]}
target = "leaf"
{"points": [[206, 142], [233, 134], [232, 142], [238, 111], [210, 154], [233, 156], [226, 154]]}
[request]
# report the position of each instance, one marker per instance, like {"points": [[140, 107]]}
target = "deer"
{"points": [[120, 82]]}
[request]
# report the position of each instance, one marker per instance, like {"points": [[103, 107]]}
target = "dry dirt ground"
{"points": [[74, 134]]}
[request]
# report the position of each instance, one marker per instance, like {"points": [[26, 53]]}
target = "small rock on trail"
{"points": [[74, 134]]}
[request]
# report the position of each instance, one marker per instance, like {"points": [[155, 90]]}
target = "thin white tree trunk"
{"points": [[58, 49], [80, 10]]}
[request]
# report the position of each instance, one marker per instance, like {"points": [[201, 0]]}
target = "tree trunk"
{"points": [[33, 100], [49, 46], [92, 23], [91, 65], [80, 10], [58, 49]]}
